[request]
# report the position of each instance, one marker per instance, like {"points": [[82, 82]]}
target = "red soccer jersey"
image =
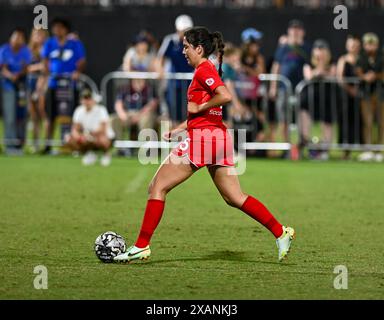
{"points": [[201, 90]]}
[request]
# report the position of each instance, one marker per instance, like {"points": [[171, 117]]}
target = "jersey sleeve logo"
{"points": [[210, 81]]}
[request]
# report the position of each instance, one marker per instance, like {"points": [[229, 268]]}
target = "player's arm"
{"points": [[182, 126], [222, 96]]}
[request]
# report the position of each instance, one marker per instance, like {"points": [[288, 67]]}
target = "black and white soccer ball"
{"points": [[108, 245]]}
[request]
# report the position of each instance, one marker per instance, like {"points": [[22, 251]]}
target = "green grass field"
{"points": [[52, 209]]}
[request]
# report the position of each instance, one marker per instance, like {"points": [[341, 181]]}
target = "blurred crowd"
{"points": [[41, 76], [307, 4]]}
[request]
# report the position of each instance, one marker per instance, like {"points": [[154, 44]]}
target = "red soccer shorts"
{"points": [[207, 147]]}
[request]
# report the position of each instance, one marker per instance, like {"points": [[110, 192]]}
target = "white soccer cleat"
{"points": [[89, 158], [284, 242], [105, 160], [134, 253]]}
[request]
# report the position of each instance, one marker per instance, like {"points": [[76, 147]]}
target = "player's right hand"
{"points": [[170, 135], [167, 136]]}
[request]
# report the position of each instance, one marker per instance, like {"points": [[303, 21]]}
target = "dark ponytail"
{"points": [[211, 42], [218, 43]]}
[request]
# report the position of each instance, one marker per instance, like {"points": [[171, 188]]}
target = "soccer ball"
{"points": [[108, 245]]}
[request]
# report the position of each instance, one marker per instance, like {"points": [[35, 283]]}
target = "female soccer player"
{"points": [[208, 144]]}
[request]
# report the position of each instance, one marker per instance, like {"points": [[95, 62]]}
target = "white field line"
{"points": [[137, 181]]}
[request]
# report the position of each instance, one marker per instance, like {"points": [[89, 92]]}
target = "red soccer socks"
{"points": [[152, 216], [255, 209]]}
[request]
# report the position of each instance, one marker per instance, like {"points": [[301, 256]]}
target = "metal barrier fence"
{"points": [[65, 99], [165, 95], [270, 112], [335, 104], [349, 111], [171, 91], [157, 85]]}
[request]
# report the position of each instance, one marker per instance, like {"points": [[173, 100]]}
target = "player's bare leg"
{"points": [[171, 173], [228, 184]]}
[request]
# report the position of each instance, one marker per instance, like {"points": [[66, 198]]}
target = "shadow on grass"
{"points": [[225, 255]]}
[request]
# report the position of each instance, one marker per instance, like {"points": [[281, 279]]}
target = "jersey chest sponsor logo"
{"points": [[215, 113], [210, 81]]}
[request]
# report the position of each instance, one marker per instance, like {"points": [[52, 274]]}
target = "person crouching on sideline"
{"points": [[91, 130]]}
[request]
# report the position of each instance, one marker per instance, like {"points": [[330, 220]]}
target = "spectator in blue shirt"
{"points": [[64, 58], [171, 59], [14, 59], [289, 60]]}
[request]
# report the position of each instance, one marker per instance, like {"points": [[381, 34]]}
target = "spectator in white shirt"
{"points": [[91, 130]]}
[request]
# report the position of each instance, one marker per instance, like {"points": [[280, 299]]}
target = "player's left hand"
{"points": [[193, 107]]}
